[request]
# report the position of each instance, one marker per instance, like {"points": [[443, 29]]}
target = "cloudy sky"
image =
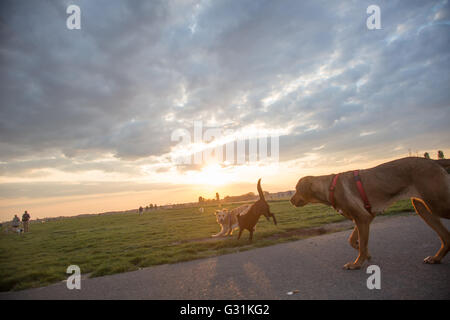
{"points": [[87, 116]]}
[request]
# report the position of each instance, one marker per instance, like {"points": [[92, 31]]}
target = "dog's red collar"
{"points": [[332, 187], [359, 186], [361, 191]]}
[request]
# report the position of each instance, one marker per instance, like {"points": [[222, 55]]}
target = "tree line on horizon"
{"points": [[440, 155]]}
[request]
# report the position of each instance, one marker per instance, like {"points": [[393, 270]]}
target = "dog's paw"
{"points": [[352, 266], [431, 260]]}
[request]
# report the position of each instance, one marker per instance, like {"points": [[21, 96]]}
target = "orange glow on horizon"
{"points": [[184, 187]]}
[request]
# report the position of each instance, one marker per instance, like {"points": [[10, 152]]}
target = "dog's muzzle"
{"points": [[293, 200], [297, 203]]}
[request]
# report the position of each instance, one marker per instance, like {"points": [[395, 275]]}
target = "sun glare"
{"points": [[211, 175]]}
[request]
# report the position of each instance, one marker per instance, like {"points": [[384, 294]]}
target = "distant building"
{"points": [[280, 195]]}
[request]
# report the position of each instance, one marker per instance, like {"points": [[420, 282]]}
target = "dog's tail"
{"points": [[445, 163], [261, 193], [261, 196]]}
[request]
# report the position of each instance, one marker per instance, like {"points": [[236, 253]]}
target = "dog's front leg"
{"points": [[354, 241], [222, 231], [230, 232], [240, 232], [362, 227]]}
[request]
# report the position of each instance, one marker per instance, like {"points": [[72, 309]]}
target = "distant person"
{"points": [[25, 219], [15, 222], [141, 210]]}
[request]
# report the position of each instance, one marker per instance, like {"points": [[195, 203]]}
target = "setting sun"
{"points": [[213, 175]]}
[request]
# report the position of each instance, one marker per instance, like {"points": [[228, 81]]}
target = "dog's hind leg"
{"points": [[435, 223], [251, 235]]}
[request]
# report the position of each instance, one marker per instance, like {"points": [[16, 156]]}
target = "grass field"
{"points": [[107, 244]]}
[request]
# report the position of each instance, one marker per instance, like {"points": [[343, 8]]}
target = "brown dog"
{"points": [[423, 180], [251, 217]]}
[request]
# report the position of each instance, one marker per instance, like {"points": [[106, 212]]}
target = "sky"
{"points": [[88, 116]]}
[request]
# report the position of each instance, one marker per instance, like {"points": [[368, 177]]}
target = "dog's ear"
{"points": [[315, 185], [305, 186]]}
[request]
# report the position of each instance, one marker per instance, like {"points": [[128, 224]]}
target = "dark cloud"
{"points": [[109, 87]]}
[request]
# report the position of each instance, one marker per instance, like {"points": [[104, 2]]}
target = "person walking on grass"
{"points": [[15, 224], [25, 220]]}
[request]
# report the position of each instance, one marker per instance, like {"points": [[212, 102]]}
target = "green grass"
{"points": [[108, 244]]}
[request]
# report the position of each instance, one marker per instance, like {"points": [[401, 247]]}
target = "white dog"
{"points": [[228, 219]]}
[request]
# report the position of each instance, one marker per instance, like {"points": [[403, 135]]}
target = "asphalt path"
{"points": [[311, 267]]}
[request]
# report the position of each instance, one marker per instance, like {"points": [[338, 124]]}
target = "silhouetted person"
{"points": [[15, 222], [140, 210], [25, 218]]}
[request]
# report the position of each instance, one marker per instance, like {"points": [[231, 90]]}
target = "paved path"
{"points": [[313, 266]]}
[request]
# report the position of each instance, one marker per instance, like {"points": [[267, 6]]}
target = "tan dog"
{"points": [[423, 180], [227, 219]]}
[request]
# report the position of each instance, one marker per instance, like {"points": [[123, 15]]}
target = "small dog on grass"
{"points": [[227, 219], [249, 219]]}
